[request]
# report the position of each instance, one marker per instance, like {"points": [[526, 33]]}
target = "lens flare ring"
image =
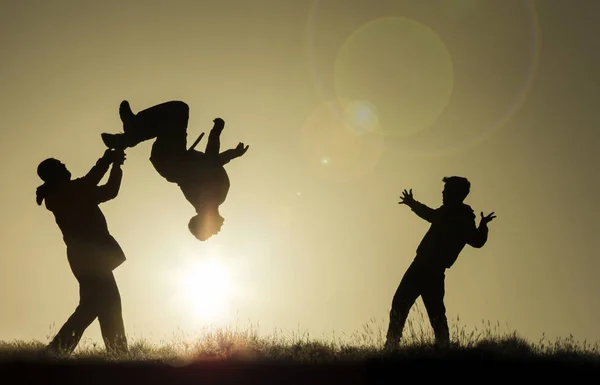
{"points": [[479, 135]]}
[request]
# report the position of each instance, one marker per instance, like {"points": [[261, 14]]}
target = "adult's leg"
{"points": [[110, 315], [406, 294], [70, 333], [433, 298]]}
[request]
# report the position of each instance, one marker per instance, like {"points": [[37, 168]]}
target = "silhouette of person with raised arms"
{"points": [[92, 252], [201, 176], [452, 227]]}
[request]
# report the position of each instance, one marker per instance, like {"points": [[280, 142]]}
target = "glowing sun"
{"points": [[206, 288]]}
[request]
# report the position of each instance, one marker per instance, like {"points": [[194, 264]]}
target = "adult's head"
{"points": [[53, 170], [456, 189], [206, 224]]}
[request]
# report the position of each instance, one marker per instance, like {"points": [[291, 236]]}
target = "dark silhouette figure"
{"points": [[92, 251], [452, 227], [201, 176]]}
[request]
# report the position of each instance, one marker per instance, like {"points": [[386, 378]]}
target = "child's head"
{"points": [[456, 189], [206, 224]]}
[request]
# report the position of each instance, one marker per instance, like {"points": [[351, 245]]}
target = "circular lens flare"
{"points": [[406, 130], [336, 143], [361, 117], [402, 67]]}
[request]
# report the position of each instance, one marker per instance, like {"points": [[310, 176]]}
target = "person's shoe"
{"points": [[390, 346], [219, 124], [127, 116], [443, 345], [115, 141], [48, 352]]}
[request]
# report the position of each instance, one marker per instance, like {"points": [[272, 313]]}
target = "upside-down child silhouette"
{"points": [[201, 176], [452, 227]]}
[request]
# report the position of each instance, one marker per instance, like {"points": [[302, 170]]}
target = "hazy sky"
{"points": [[502, 92]]}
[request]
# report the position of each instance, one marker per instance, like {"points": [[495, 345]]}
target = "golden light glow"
{"points": [[338, 142], [343, 104], [205, 288]]}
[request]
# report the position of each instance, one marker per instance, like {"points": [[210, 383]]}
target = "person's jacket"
{"points": [[452, 227], [91, 249]]}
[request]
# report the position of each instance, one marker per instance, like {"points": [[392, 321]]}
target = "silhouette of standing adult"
{"points": [[201, 176], [92, 251], [452, 227]]}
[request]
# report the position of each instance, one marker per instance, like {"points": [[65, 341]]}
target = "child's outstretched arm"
{"points": [[477, 236], [423, 211], [233, 153]]}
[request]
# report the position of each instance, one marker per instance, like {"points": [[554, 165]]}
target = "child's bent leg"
{"points": [[169, 119], [167, 122]]}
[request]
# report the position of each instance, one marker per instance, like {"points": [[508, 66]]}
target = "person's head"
{"points": [[456, 189], [206, 224], [53, 170]]}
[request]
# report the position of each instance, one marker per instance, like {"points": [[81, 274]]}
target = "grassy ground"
{"points": [[481, 347]]}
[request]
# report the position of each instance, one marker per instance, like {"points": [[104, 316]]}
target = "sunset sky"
{"points": [[344, 104]]}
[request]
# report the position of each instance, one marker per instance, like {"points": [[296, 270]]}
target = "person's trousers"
{"points": [[99, 297]]}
